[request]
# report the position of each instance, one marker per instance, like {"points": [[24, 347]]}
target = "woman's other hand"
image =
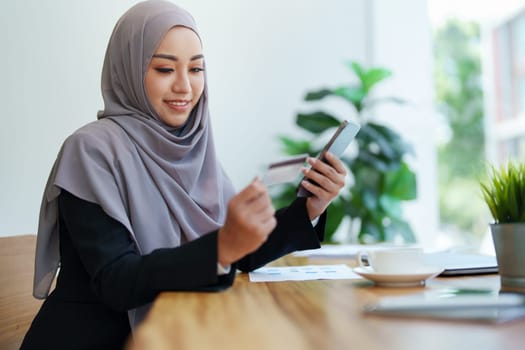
{"points": [[329, 179], [249, 221]]}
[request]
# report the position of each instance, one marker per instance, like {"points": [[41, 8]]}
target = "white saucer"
{"points": [[412, 279]]}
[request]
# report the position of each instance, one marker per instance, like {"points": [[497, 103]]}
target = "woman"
{"points": [[137, 202]]}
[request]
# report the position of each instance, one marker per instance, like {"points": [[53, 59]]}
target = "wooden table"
{"points": [[17, 305], [324, 314]]}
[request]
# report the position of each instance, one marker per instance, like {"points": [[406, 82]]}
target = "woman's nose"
{"points": [[181, 83]]}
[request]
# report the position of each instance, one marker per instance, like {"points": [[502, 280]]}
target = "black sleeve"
{"points": [[120, 276], [293, 232]]}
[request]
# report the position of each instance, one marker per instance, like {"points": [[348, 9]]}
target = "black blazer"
{"points": [[102, 275]]}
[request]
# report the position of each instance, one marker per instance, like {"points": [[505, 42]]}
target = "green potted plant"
{"points": [[504, 194], [380, 176]]}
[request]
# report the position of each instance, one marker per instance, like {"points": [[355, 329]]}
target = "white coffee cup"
{"points": [[392, 261]]}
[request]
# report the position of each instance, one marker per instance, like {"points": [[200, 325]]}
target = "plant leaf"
{"points": [[318, 95], [382, 142], [390, 205], [317, 122], [402, 228], [358, 70], [353, 94], [374, 76], [401, 183], [291, 146], [377, 162], [336, 210], [504, 192], [371, 232]]}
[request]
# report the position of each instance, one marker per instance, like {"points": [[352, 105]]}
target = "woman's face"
{"points": [[175, 76]]}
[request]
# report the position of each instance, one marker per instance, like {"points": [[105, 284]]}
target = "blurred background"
{"points": [[454, 94]]}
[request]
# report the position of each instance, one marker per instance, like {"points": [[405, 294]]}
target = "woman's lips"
{"points": [[178, 105]]}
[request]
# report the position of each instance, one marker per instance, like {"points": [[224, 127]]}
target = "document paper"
{"points": [[302, 273]]}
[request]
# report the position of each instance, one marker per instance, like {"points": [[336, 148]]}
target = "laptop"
{"points": [[454, 263], [457, 264]]}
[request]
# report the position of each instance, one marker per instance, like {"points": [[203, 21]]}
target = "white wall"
{"points": [[261, 56], [402, 41]]}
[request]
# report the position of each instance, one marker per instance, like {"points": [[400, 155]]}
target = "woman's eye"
{"points": [[164, 70], [197, 69]]}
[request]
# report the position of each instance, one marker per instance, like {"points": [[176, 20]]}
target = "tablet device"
{"points": [[454, 305], [340, 140]]}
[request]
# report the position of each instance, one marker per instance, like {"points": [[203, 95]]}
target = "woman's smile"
{"points": [[178, 105]]}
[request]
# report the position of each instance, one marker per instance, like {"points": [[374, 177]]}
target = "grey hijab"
{"points": [[164, 185]]}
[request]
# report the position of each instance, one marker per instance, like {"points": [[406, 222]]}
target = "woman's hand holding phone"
{"points": [[340, 140], [323, 180]]}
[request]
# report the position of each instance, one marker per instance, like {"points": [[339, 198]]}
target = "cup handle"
{"points": [[363, 259]]}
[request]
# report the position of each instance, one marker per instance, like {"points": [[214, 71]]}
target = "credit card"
{"points": [[284, 171]]}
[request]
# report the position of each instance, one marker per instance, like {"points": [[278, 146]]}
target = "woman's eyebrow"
{"points": [[174, 58]]}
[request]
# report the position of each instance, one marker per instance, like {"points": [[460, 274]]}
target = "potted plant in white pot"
{"points": [[504, 194]]}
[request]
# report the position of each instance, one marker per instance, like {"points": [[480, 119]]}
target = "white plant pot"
{"points": [[509, 244]]}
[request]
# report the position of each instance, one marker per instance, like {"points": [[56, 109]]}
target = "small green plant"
{"points": [[504, 192], [381, 179]]}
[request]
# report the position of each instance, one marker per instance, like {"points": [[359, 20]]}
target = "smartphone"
{"points": [[338, 143]]}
